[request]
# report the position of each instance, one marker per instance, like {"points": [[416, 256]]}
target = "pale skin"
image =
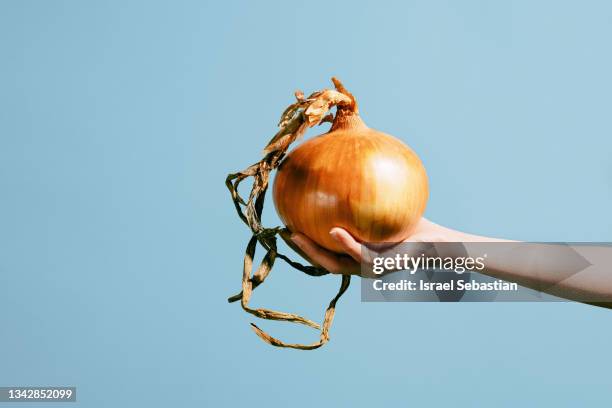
{"points": [[591, 283]]}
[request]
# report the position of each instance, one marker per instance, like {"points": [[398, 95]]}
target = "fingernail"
{"points": [[285, 233], [334, 234]]}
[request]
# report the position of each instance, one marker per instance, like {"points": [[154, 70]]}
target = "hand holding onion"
{"points": [[348, 186], [368, 184], [584, 286], [349, 261]]}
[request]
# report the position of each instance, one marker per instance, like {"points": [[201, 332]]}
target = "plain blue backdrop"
{"points": [[119, 244]]}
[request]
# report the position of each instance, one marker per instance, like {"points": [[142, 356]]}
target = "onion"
{"points": [[353, 177]]}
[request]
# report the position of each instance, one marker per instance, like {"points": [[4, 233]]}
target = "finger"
{"points": [[349, 245], [286, 236], [318, 255], [349, 266], [321, 256]]}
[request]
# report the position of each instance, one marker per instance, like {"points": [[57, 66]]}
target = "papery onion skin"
{"points": [[353, 177]]}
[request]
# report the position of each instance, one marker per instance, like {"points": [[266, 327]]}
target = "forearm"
{"points": [[579, 273]]}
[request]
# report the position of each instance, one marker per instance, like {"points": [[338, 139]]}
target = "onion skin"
{"points": [[353, 177]]}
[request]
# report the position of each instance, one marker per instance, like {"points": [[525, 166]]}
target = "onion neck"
{"points": [[347, 113], [347, 119]]}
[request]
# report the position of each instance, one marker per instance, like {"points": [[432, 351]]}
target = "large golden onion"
{"points": [[354, 177]]}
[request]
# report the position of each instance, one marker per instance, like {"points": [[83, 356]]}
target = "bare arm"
{"points": [[538, 267]]}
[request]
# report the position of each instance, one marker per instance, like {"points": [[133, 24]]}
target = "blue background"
{"points": [[119, 244]]}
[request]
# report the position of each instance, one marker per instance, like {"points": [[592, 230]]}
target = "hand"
{"points": [[349, 263]]}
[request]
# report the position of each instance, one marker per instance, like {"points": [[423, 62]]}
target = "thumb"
{"points": [[349, 244]]}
